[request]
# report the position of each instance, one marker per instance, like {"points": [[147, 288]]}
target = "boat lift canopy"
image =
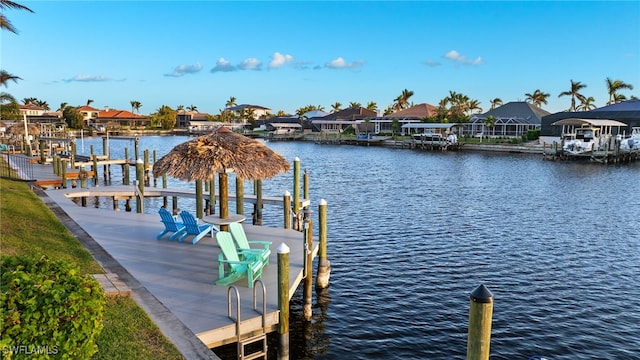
{"points": [[592, 122]]}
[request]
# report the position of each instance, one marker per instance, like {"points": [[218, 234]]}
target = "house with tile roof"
{"points": [[412, 115], [112, 117], [184, 118], [512, 119], [338, 121]]}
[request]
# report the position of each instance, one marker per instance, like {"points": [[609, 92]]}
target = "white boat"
{"points": [[631, 143], [583, 140], [428, 137]]}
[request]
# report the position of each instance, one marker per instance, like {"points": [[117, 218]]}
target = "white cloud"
{"points": [[279, 60], [223, 65], [181, 70], [250, 64], [459, 58], [432, 63], [340, 63], [88, 78]]}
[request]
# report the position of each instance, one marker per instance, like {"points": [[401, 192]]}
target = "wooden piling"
{"points": [[165, 200], [147, 177], [283, 301], [140, 185], [125, 169], [95, 169], [305, 183], [296, 194], [308, 270], [286, 201], [43, 158], [83, 184], [324, 265], [63, 173], [479, 333]]}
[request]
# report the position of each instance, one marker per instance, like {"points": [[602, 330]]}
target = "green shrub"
{"points": [[49, 309], [533, 134]]}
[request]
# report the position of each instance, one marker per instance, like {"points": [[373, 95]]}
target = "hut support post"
{"points": [[224, 198], [140, 185], [296, 194], [257, 208], [155, 179], [324, 266], [239, 196], [308, 268], [212, 195], [174, 205], [286, 201], [199, 200], [283, 301], [479, 334]]}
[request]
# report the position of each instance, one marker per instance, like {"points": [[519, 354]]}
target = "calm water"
{"points": [[412, 233]]}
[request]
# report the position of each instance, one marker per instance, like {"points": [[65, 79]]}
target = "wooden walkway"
{"points": [[181, 276]]}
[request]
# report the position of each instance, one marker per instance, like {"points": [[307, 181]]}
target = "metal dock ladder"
{"points": [[242, 343]]}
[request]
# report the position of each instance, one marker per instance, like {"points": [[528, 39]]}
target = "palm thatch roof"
{"points": [[18, 129], [221, 151]]}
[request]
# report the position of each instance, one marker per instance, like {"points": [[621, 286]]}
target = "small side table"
{"points": [[223, 224]]}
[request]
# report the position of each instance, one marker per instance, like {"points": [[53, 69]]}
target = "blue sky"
{"points": [[286, 55]]}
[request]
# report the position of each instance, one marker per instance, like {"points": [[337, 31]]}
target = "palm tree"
{"points": [[402, 101], [473, 105], [619, 98], [495, 103], [5, 77], [336, 107], [43, 104], [62, 106], [354, 104], [5, 24], [371, 105], [587, 104], [231, 102], [30, 100], [135, 105], [613, 86], [576, 86], [89, 101], [192, 108], [537, 98]]}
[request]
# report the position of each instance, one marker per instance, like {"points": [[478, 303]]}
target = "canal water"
{"points": [[412, 233]]}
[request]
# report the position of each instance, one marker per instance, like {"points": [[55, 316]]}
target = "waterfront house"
{"points": [[338, 121], [627, 112], [112, 117], [39, 115], [412, 115], [186, 118], [254, 111], [512, 120]]}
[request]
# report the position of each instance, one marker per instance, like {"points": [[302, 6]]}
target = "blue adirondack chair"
{"points": [[244, 245], [231, 268], [193, 227], [170, 225]]}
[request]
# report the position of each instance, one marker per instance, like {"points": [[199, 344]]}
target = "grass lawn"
{"points": [[28, 227]]}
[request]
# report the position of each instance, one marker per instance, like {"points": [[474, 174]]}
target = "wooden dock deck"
{"points": [[173, 282], [182, 275]]}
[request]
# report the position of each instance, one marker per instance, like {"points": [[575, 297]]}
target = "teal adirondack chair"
{"points": [[244, 245], [170, 225], [192, 227], [231, 268]]}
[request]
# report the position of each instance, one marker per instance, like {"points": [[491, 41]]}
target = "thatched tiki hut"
{"points": [[221, 152]]}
